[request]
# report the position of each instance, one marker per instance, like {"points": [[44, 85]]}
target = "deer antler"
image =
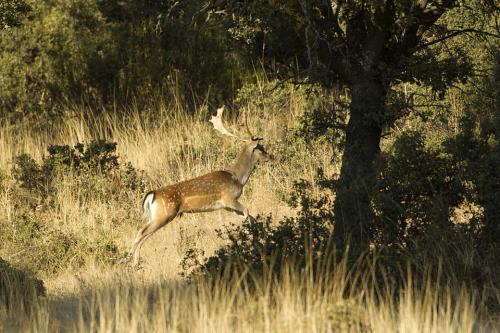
{"points": [[218, 126], [253, 137]]}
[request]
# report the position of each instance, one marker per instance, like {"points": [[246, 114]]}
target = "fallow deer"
{"points": [[213, 191]]}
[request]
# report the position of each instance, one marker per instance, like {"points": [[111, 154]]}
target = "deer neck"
{"points": [[243, 167]]}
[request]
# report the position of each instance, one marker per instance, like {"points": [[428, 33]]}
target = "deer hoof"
{"points": [[126, 258], [137, 266]]}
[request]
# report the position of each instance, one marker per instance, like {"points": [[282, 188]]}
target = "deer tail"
{"points": [[147, 202]]}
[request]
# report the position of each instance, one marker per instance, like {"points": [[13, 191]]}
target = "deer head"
{"points": [[251, 154]]}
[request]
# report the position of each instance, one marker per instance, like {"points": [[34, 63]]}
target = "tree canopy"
{"points": [[369, 47], [11, 12]]}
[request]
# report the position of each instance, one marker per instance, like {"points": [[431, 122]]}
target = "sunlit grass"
{"points": [[168, 145], [337, 300]]}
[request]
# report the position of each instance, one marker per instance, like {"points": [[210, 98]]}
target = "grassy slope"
{"points": [[169, 148]]}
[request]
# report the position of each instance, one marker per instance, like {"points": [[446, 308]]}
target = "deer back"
{"points": [[200, 194]]}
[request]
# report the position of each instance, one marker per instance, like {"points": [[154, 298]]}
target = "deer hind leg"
{"points": [[146, 232], [142, 235]]}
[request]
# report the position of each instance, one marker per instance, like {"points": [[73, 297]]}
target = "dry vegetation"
{"points": [[141, 75], [102, 297], [118, 300]]}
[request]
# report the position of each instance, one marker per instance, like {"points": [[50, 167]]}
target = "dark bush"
{"points": [[18, 288], [95, 168], [260, 243], [418, 188]]}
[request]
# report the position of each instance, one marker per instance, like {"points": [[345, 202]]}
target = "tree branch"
{"points": [[424, 14], [336, 7], [451, 35]]}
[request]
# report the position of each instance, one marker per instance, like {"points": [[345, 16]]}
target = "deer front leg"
{"points": [[238, 208]]}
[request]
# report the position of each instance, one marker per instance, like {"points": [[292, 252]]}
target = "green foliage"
{"points": [[324, 43], [479, 157], [95, 169], [27, 172], [325, 122], [35, 244], [11, 12], [418, 187], [320, 123], [269, 94], [114, 52], [260, 244], [52, 57]]}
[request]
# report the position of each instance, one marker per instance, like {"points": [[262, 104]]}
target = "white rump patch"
{"points": [[152, 210], [149, 207]]}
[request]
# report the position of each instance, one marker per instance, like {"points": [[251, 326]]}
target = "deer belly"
{"points": [[199, 204]]}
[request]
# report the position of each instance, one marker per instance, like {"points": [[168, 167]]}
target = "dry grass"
{"points": [[121, 300], [169, 147]]}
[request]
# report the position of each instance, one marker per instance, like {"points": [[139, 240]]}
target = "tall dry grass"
{"points": [[117, 300], [169, 144]]}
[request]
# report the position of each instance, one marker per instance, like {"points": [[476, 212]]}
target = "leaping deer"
{"points": [[213, 191]]}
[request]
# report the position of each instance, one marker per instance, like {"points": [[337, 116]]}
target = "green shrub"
{"points": [[114, 52], [94, 168], [267, 94], [259, 243], [90, 172], [418, 188], [36, 245]]}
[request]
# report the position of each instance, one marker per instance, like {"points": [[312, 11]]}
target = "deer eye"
{"points": [[259, 147]]}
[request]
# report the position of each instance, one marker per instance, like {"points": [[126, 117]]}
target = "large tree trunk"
{"points": [[352, 208]]}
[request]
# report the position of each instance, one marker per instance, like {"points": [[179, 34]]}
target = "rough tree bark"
{"points": [[368, 89], [352, 208]]}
